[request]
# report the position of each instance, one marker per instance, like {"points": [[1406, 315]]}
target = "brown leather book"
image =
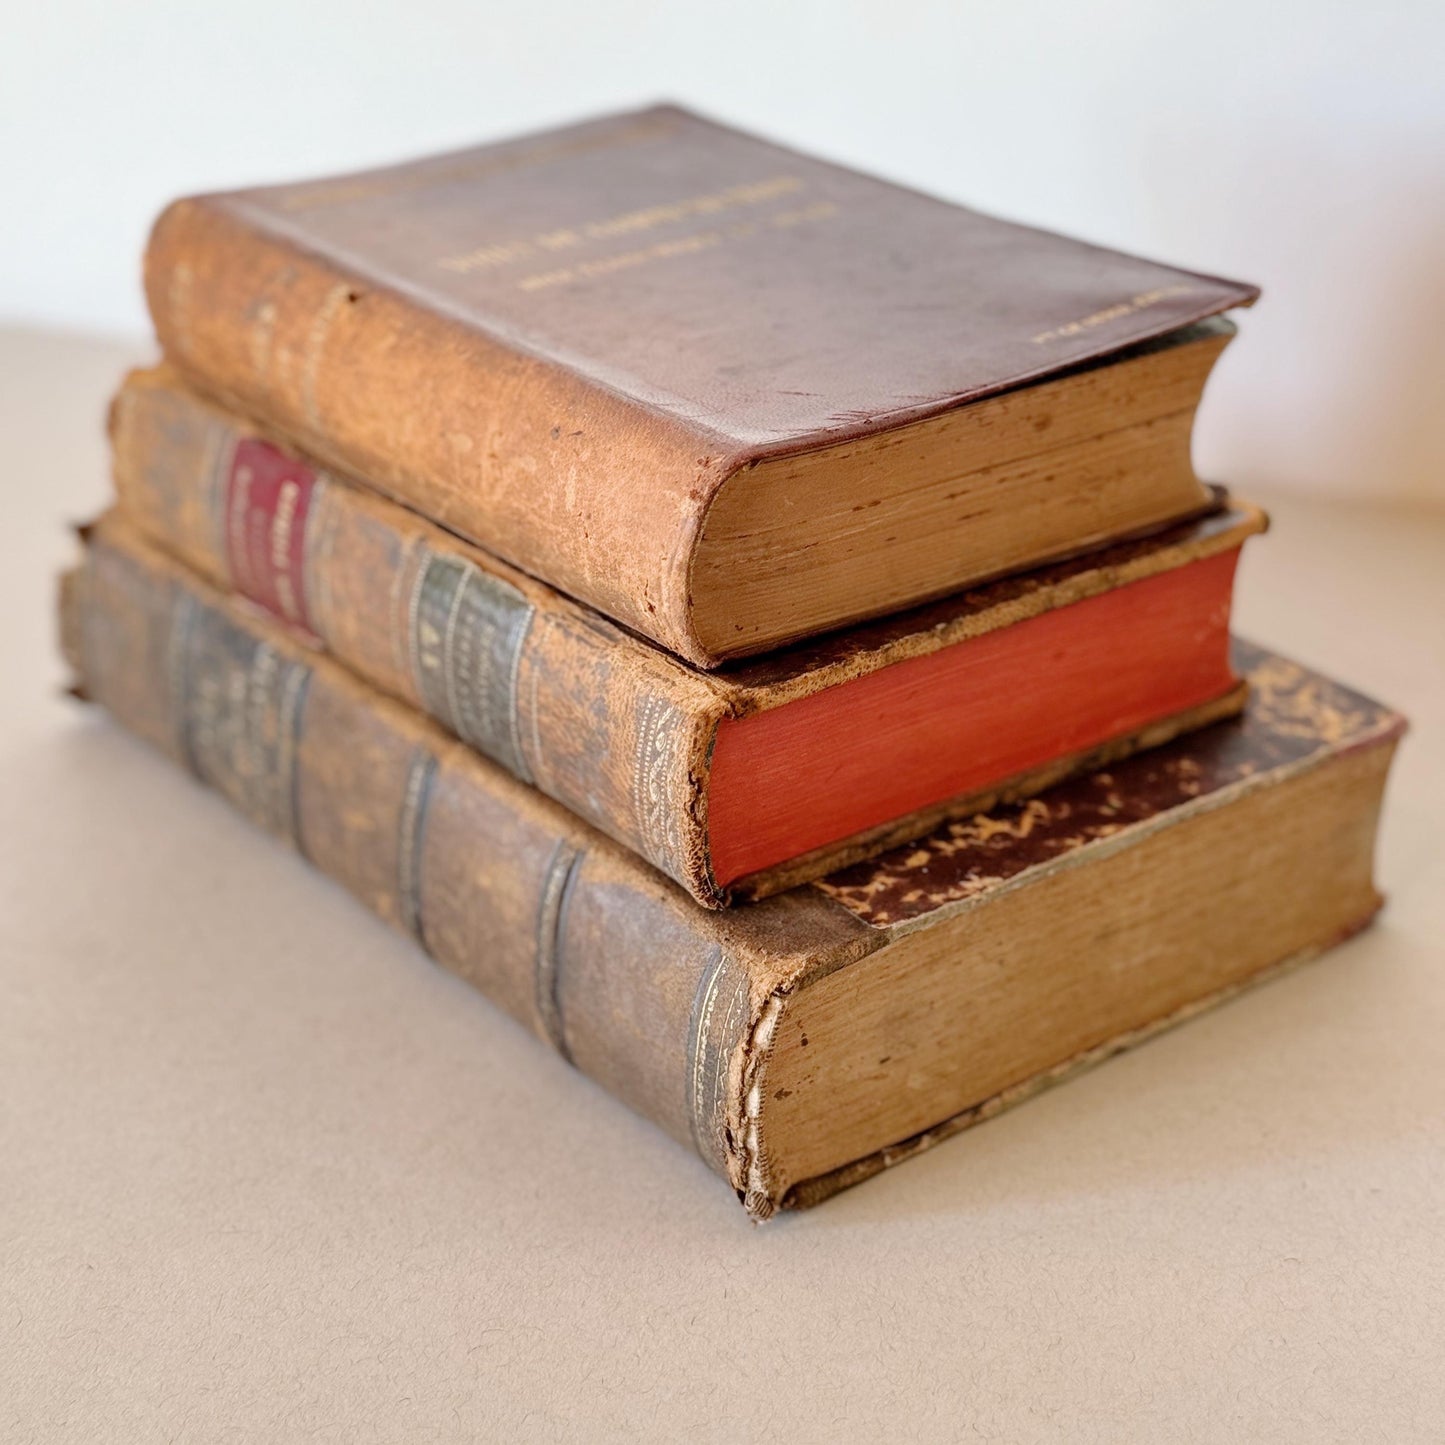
{"points": [[727, 394], [805, 1042], [739, 783]]}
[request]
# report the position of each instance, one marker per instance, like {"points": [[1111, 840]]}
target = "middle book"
{"points": [[739, 783]]}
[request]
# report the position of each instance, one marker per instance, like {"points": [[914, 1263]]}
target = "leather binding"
{"points": [[664, 1004], [610, 725], [561, 346]]}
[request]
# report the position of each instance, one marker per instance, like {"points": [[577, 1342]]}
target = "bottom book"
{"points": [[802, 1043]]}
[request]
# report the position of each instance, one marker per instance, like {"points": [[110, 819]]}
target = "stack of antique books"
{"points": [[759, 624]]}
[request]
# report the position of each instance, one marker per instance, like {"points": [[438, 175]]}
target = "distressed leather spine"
{"points": [[654, 998], [445, 418], [722, 301], [613, 728], [671, 1008], [605, 722]]}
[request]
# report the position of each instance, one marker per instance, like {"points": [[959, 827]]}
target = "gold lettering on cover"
{"points": [[560, 240], [1141, 302], [491, 255], [682, 246], [818, 211], [352, 190]]}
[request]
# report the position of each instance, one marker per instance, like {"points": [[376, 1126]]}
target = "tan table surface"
{"points": [[265, 1173]]}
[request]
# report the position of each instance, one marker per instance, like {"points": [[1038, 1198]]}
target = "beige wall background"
{"points": [[1297, 143]]}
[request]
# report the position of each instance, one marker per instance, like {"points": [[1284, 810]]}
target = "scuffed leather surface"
{"points": [[614, 727], [663, 1003], [581, 428]]}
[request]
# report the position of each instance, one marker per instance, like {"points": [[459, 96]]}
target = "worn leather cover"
{"points": [[562, 345], [614, 727], [664, 1004]]}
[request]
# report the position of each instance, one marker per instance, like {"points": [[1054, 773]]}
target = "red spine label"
{"points": [[268, 498]]}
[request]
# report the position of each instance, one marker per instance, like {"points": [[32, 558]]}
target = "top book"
{"points": [[729, 395]]}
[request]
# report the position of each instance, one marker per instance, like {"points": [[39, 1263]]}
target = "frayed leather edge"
{"points": [[752, 1177]]}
